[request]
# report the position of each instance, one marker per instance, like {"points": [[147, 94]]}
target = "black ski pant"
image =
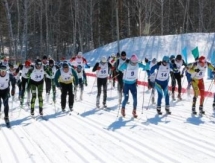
{"points": [[176, 77], [24, 84], [48, 84], [101, 83], [67, 89], [4, 95]]}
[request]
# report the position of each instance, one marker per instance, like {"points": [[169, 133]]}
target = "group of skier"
{"points": [[70, 75], [30, 78], [125, 70]]}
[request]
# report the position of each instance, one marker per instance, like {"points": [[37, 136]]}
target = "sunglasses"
{"points": [[3, 70]]}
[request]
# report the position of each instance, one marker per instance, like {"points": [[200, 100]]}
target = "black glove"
{"points": [[159, 63], [197, 70], [127, 60], [173, 61], [146, 60], [182, 75]]}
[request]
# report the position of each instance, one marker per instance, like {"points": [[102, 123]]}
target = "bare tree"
{"points": [[10, 28]]}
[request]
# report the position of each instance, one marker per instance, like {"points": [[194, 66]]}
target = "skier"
{"points": [[119, 74], [176, 64], [161, 82], [15, 72], [36, 74], [102, 69], [80, 60], [112, 73], [5, 79], [25, 81], [130, 73], [148, 71], [51, 68], [66, 79], [197, 71], [79, 71], [152, 79]]}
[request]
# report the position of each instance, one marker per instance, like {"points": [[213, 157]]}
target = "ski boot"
{"points": [[32, 112], [167, 110], [194, 110], [97, 106], [104, 106], [63, 109], [134, 113], [194, 106], [123, 112], [41, 111], [7, 122], [71, 108], [201, 111], [179, 96], [159, 110]]}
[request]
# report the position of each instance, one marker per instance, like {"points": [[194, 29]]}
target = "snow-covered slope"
{"points": [[158, 46]]}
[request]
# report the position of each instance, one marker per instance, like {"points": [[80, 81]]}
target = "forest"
{"points": [[61, 28]]}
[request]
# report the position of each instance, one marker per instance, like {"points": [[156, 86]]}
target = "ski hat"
{"points": [[65, 65], [172, 57], [51, 61], [134, 58], [38, 62], [79, 68], [27, 63], [80, 54], [123, 53], [103, 59], [165, 59], [179, 57], [3, 67], [44, 57], [202, 59], [113, 55]]}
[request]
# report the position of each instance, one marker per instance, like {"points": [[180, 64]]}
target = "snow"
{"points": [[98, 135]]}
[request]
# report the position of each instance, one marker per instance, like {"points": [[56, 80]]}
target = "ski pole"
{"points": [[143, 93], [93, 83]]}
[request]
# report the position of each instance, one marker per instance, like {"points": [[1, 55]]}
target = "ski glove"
{"points": [[197, 70], [98, 68]]}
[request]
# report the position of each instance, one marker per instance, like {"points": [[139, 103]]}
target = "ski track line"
{"points": [[124, 139], [70, 125], [188, 139], [173, 116], [10, 146], [70, 135], [168, 133], [24, 146], [54, 149], [52, 157], [34, 146], [183, 119], [159, 152]]}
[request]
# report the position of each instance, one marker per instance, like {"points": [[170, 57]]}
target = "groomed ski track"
{"points": [[99, 136]]}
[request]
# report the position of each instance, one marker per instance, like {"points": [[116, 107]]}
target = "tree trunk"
{"points": [[10, 29]]}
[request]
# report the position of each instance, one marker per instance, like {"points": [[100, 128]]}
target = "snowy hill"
{"points": [[90, 135], [158, 46]]}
